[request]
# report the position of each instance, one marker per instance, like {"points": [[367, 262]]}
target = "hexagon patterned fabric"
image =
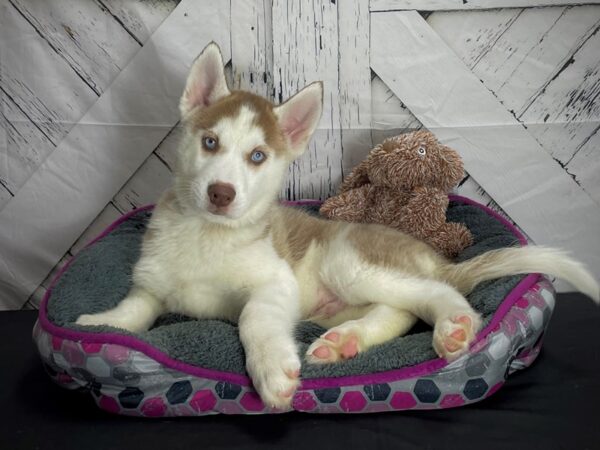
{"points": [[126, 381]]}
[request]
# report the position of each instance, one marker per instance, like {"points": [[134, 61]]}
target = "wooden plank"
{"points": [[86, 36], [516, 54], [539, 43], [23, 146], [53, 101], [354, 82], [100, 153], [139, 17], [252, 46], [167, 149], [473, 34], [509, 163], [567, 112], [585, 13], [5, 196], [585, 166], [543, 67], [442, 5], [305, 49], [145, 185]]}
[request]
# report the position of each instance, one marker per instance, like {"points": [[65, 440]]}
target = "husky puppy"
{"points": [[219, 245]]}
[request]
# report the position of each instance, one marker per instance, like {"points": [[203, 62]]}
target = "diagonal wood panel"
{"points": [[100, 153], [78, 32], [498, 151], [442, 5], [139, 17], [544, 68]]}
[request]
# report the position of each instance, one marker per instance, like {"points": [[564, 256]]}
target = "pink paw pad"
{"points": [[293, 373], [350, 347], [333, 336], [451, 346], [465, 320], [288, 393], [459, 335], [322, 352], [335, 345], [454, 335]]}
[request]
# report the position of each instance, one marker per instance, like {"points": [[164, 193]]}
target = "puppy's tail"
{"points": [[512, 261]]}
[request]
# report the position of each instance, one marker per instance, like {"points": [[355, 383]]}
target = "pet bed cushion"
{"points": [[184, 366]]}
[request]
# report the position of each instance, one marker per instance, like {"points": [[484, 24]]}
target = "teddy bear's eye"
{"points": [[421, 151]]}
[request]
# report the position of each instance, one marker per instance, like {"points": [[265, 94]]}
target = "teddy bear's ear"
{"points": [[453, 168], [358, 177]]}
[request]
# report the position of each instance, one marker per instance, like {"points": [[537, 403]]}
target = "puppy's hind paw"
{"points": [[452, 336], [335, 345]]}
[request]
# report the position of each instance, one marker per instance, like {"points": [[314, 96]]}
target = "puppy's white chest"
{"points": [[199, 273]]}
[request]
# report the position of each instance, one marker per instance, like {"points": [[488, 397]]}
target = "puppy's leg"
{"points": [[137, 312], [455, 322], [266, 331], [379, 325], [439, 304]]}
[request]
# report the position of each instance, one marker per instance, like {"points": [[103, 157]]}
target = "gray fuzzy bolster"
{"points": [[100, 277]]}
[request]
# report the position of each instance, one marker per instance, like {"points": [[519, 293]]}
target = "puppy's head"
{"points": [[237, 145]]}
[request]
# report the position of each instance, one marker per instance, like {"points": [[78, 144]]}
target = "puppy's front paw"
{"points": [[275, 375], [107, 318], [94, 319]]}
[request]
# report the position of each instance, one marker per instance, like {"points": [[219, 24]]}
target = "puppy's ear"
{"points": [[299, 116], [206, 82]]}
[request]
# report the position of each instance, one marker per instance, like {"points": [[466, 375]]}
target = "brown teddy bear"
{"points": [[404, 183]]}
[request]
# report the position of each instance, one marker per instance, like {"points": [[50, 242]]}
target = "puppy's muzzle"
{"points": [[221, 194]]}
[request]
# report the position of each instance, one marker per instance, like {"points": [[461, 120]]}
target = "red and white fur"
{"points": [[220, 246]]}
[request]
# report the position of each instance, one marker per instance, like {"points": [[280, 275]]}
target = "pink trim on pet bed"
{"points": [[314, 383]]}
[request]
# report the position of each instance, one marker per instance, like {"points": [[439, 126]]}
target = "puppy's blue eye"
{"points": [[257, 156], [210, 143]]}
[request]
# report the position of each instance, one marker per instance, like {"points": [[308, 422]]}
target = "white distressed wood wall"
{"points": [[512, 85]]}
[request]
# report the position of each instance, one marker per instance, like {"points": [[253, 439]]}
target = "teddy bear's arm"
{"points": [[349, 206], [358, 177], [425, 211]]}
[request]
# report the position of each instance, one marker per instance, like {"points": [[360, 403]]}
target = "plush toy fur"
{"points": [[404, 183]]}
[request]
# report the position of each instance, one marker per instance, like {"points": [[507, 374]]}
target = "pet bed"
{"points": [[187, 367]]}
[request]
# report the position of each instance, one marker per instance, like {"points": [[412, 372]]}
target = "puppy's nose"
{"points": [[221, 194]]}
